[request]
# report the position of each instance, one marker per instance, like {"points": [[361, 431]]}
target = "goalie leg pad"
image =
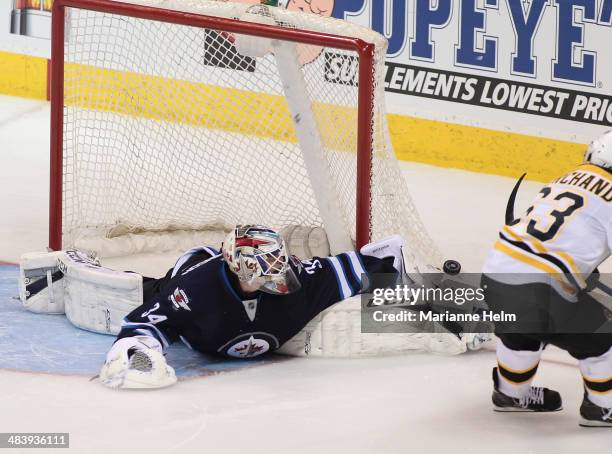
{"points": [[97, 298], [41, 287], [336, 332]]}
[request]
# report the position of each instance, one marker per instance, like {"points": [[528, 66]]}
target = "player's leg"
{"points": [[518, 357], [596, 408], [592, 347], [518, 354], [594, 355]]}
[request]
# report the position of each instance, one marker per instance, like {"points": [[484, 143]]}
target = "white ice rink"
{"points": [[416, 403]]}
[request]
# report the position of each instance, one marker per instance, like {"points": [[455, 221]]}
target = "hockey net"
{"points": [[165, 135]]}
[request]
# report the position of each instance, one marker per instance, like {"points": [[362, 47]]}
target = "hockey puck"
{"points": [[451, 267]]}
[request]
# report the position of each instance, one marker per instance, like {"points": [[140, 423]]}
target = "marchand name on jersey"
{"points": [[592, 182]]}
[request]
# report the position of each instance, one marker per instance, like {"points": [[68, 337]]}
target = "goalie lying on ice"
{"points": [[243, 302], [248, 299]]}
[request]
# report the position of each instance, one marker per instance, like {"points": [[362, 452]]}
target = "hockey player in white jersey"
{"points": [[540, 268]]}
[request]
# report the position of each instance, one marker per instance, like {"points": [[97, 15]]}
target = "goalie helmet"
{"points": [[599, 152], [258, 256]]}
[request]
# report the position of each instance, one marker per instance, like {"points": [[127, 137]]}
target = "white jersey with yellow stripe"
{"points": [[562, 237]]}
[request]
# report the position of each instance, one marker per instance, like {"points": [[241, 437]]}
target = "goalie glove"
{"points": [[136, 362]]}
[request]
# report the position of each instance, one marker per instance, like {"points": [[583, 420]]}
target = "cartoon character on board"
{"points": [[325, 8]]}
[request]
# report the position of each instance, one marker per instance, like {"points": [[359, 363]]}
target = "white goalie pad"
{"points": [[41, 284], [336, 332], [97, 298]]}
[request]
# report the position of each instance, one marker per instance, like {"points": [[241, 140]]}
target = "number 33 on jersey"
{"points": [[566, 232]]}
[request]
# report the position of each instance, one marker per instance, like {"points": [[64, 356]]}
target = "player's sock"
{"points": [[517, 368], [592, 415], [535, 399], [596, 409]]}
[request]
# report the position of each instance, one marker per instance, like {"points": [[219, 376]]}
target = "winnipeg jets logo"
{"points": [[249, 345], [249, 348], [179, 300]]}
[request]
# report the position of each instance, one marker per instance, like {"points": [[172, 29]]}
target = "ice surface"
{"points": [[51, 344], [416, 403]]}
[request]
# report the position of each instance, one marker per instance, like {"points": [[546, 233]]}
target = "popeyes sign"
{"points": [[525, 38], [561, 41]]}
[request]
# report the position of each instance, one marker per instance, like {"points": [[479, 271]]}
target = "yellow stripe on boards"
{"points": [[23, 76], [414, 139], [179, 101], [212, 106], [482, 150]]}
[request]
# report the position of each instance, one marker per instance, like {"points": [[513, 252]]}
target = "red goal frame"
{"points": [[365, 107]]}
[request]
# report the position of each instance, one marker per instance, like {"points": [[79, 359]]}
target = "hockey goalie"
{"points": [[250, 298]]}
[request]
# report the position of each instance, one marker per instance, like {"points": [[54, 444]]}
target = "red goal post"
{"points": [[365, 109]]}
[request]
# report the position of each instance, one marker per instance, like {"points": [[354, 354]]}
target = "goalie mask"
{"points": [[599, 152], [258, 256]]}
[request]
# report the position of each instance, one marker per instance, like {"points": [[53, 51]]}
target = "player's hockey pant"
{"points": [[518, 353]]}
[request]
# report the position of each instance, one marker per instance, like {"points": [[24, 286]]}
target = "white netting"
{"points": [[167, 128]]}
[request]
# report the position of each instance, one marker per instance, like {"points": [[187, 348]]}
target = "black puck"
{"points": [[451, 267]]}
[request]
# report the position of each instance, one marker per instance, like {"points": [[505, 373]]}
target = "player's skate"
{"points": [[592, 415], [537, 399]]}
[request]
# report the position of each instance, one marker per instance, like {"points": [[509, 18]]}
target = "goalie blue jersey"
{"points": [[198, 302]]}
